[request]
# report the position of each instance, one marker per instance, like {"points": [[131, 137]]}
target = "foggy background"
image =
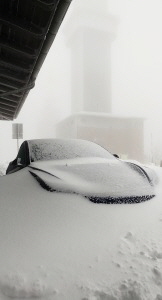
{"points": [[101, 81]]}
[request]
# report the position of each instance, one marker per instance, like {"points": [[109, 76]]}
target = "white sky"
{"points": [[136, 58]]}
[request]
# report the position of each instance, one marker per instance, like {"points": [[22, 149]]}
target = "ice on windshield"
{"points": [[65, 149]]}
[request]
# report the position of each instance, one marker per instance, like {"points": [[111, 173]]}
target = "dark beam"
{"points": [[21, 25], [8, 103]]}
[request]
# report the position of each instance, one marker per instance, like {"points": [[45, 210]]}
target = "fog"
{"points": [[136, 57], [101, 81]]}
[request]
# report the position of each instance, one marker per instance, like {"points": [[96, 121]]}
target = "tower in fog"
{"points": [[89, 36]]}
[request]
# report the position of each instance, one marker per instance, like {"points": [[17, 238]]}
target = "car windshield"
{"points": [[65, 149]]}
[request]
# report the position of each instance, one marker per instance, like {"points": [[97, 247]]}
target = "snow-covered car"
{"points": [[60, 245], [85, 168]]}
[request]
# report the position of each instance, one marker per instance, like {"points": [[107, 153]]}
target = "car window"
{"points": [[23, 154], [65, 149]]}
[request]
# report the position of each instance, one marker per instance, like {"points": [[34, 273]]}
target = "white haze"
{"points": [[135, 81], [136, 57]]}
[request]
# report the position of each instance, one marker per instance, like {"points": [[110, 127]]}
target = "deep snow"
{"points": [[58, 246], [3, 167]]}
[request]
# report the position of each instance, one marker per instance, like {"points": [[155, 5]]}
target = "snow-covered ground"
{"points": [[3, 167], [64, 247]]}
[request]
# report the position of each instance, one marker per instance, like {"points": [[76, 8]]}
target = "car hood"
{"points": [[100, 180]]}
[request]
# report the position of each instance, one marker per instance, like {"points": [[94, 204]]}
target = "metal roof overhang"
{"points": [[27, 30]]}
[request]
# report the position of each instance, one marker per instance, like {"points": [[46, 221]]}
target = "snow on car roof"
{"points": [[44, 149]]}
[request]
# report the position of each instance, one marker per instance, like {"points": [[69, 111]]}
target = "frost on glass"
{"points": [[63, 149]]}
